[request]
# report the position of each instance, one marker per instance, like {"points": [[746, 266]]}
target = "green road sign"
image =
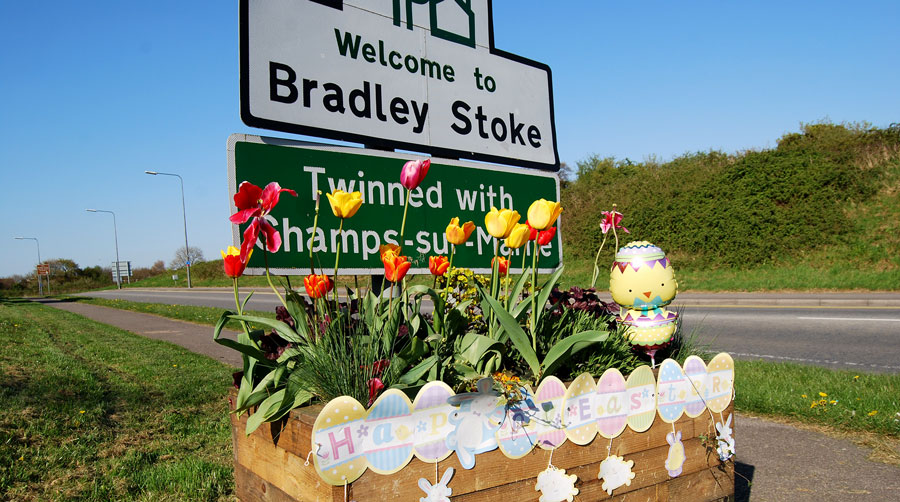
{"points": [[452, 189]]}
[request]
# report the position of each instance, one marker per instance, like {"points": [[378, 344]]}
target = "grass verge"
{"points": [[91, 412], [843, 400], [200, 315]]}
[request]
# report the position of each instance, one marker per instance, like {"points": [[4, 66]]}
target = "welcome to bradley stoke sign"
{"points": [[466, 190], [419, 75]]}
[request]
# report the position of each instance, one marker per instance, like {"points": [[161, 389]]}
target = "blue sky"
{"points": [[95, 93]]}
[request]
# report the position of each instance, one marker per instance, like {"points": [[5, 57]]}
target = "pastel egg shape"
{"points": [[720, 382], [640, 394], [549, 402], [648, 328], [670, 391], [695, 371], [578, 414], [340, 458], [431, 414], [610, 405], [389, 435], [517, 434]]}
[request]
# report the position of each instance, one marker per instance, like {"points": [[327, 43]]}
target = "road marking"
{"points": [[815, 361], [864, 319]]}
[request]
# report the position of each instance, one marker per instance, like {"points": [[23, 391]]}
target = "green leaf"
{"points": [[267, 409], [570, 345], [243, 344], [295, 307], [546, 289], [281, 328], [244, 303], [519, 339], [473, 347], [418, 371]]}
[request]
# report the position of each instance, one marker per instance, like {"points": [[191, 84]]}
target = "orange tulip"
{"points": [[317, 285], [388, 248], [395, 267], [457, 235], [438, 265], [502, 265]]}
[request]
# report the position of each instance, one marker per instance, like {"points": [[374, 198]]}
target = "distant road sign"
{"points": [[414, 75], [466, 190], [43, 269], [121, 269]]}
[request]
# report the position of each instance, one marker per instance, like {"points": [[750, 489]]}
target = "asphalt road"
{"points": [[862, 338]]}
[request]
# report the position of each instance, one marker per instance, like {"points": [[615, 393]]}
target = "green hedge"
{"points": [[752, 208]]}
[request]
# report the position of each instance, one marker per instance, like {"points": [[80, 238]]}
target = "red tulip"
{"points": [[255, 203], [317, 285], [234, 266], [532, 232], [375, 386], [503, 264], [438, 265], [545, 236], [413, 173], [395, 267]]}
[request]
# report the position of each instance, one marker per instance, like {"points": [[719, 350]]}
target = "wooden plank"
{"points": [[249, 486]]}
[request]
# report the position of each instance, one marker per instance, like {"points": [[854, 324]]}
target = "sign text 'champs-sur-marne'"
{"points": [[419, 75], [462, 189]]}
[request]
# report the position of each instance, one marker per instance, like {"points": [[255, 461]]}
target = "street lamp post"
{"points": [[116, 235], [40, 286], [187, 250]]}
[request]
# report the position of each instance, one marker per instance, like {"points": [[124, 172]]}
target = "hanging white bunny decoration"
{"points": [[724, 440], [439, 492]]}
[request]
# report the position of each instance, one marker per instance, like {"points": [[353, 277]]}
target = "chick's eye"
{"points": [[663, 284], [629, 291]]}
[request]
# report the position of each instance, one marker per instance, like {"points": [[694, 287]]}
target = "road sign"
{"points": [[452, 189], [122, 268], [43, 269], [419, 75]]}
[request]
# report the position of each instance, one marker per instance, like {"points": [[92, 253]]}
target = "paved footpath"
{"points": [[782, 462]]}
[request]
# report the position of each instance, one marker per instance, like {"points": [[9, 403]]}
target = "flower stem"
{"points": [[237, 303], [405, 207], [534, 297], [312, 239], [596, 272], [269, 277], [337, 259]]}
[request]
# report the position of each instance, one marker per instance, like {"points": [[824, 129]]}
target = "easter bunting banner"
{"points": [[348, 439]]}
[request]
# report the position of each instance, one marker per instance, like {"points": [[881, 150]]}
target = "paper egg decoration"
{"points": [[389, 432], [642, 277], [549, 402], [431, 414], [518, 430], [719, 382], [695, 371], [671, 391], [578, 416], [339, 432], [611, 408], [640, 392]]}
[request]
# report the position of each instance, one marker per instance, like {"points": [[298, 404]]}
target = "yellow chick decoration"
{"points": [[642, 282]]}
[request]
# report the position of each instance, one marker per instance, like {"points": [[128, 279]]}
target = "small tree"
{"points": [[194, 255]]}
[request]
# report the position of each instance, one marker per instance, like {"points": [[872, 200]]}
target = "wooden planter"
{"points": [[270, 465]]}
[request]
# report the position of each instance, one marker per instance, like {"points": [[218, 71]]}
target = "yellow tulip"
{"points": [[543, 213], [518, 237], [459, 235], [500, 223], [344, 204]]}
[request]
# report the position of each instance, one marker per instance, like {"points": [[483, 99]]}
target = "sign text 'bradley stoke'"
{"points": [[366, 72], [363, 102]]}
